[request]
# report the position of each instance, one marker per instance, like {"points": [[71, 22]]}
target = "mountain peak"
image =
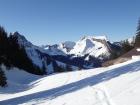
{"points": [[16, 33], [91, 45], [21, 39]]}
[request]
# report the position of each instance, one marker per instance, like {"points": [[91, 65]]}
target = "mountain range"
{"points": [[30, 75], [88, 52]]}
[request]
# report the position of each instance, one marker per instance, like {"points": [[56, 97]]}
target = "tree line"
{"points": [[14, 55]]}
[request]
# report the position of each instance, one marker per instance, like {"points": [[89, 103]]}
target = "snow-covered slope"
{"points": [[67, 46], [42, 56], [30, 49], [90, 45], [114, 85], [38, 55]]}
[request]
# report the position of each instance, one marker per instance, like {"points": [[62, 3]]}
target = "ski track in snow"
{"points": [[102, 96], [73, 83]]}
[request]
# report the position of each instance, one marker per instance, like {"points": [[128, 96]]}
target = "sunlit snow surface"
{"points": [[114, 85], [89, 46]]}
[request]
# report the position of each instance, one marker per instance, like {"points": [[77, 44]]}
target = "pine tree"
{"points": [[137, 40], [3, 47], [3, 40], [3, 79], [126, 46]]}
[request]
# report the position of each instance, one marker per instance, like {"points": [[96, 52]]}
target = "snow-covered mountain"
{"points": [[59, 49], [114, 85], [30, 49], [88, 45], [88, 52], [93, 46], [38, 55]]}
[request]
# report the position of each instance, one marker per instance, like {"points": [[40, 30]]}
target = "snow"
{"points": [[30, 49], [68, 44], [60, 49], [33, 52], [34, 56], [136, 57], [54, 50], [138, 49], [115, 85], [50, 69], [89, 46]]}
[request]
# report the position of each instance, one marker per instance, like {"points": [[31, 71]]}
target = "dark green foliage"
{"points": [[4, 46], [3, 41], [61, 68], [126, 46], [137, 40], [20, 59], [114, 55], [12, 54], [138, 28], [3, 79]]}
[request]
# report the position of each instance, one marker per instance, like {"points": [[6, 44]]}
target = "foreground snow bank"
{"points": [[114, 85]]}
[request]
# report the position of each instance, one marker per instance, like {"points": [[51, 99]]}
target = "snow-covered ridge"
{"points": [[88, 45], [35, 53], [42, 56], [21, 39], [30, 49], [91, 45], [86, 53], [60, 49]]}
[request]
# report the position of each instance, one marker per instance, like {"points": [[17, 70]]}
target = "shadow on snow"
{"points": [[93, 80]]}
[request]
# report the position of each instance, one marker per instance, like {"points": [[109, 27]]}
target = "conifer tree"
{"points": [[137, 40], [126, 46], [3, 79], [3, 46]]}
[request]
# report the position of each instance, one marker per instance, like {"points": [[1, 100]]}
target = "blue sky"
{"points": [[54, 21]]}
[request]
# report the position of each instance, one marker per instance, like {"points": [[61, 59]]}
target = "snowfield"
{"points": [[114, 85]]}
